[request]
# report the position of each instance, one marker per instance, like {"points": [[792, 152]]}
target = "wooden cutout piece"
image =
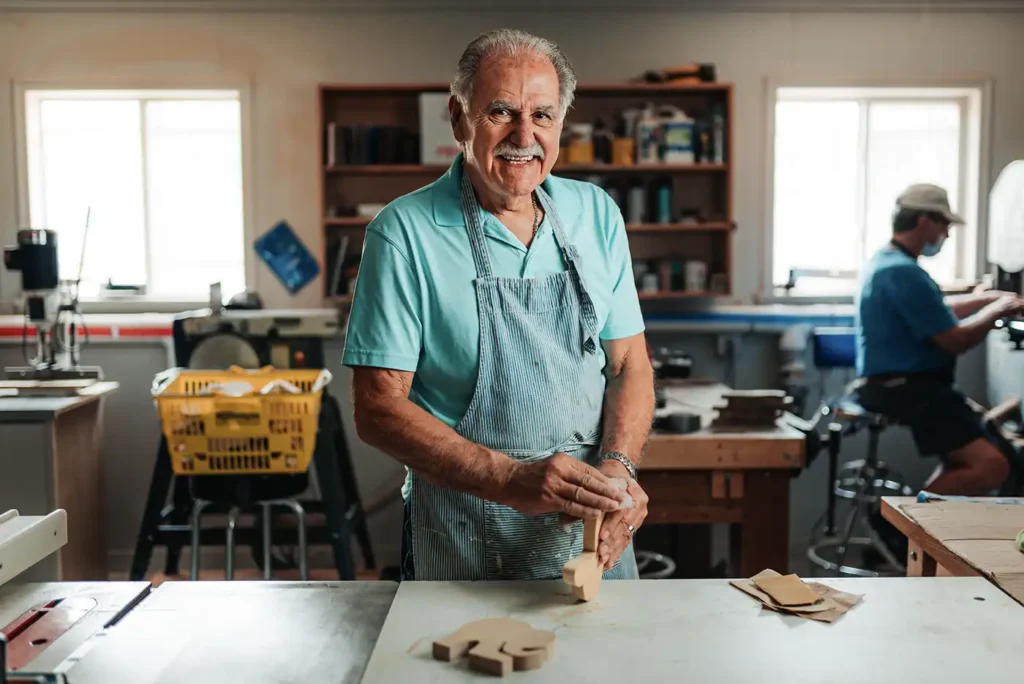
{"points": [[497, 646], [583, 573], [592, 533], [787, 590]]}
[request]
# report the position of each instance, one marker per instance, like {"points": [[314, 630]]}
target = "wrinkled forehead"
{"points": [[523, 82]]}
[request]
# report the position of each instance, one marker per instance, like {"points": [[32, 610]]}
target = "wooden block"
{"points": [[497, 646], [583, 574], [717, 484]]}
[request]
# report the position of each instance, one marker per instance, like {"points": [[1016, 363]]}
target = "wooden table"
{"points": [[737, 477], [928, 556], [937, 630], [51, 457]]}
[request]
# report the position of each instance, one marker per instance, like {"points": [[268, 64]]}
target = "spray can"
{"points": [[637, 204]]}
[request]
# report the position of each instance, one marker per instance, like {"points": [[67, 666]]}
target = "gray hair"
{"points": [[512, 43]]}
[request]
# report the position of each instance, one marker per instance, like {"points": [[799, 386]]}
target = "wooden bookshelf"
{"points": [[701, 190]]}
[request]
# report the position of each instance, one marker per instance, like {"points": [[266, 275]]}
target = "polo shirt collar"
{"points": [[447, 197]]}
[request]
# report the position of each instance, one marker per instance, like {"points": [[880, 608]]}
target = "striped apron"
{"points": [[539, 391]]}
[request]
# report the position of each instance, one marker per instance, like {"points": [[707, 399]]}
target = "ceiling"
{"points": [[922, 6]]}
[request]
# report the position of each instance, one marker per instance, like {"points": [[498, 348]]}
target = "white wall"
{"points": [[283, 58]]}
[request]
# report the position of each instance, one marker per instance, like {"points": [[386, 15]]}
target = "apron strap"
{"points": [[477, 242], [588, 324]]}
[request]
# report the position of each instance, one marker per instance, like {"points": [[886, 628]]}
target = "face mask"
{"points": [[933, 248]]}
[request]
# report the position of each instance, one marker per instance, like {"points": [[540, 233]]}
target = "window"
{"points": [[159, 175], [842, 156]]}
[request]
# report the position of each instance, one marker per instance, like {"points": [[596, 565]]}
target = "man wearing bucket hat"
{"points": [[909, 336]]}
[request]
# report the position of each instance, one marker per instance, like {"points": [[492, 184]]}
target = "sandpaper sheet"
{"points": [[982, 534], [832, 606]]}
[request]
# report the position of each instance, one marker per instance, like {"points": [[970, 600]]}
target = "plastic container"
{"points": [[215, 426], [677, 136]]}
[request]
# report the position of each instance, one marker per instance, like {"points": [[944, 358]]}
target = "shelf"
{"points": [[709, 226], [338, 300], [410, 169], [666, 294], [346, 221]]}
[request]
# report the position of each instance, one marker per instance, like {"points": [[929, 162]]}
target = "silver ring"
{"points": [[630, 528]]}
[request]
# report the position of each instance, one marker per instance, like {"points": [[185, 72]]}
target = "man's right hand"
{"points": [[1007, 305], [560, 484]]}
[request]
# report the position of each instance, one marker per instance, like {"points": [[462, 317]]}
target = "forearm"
{"points": [[973, 330], [969, 304], [629, 408], [415, 438]]}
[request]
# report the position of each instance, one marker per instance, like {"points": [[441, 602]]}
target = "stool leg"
{"points": [[197, 511], [229, 563], [266, 542], [300, 514], [835, 436]]}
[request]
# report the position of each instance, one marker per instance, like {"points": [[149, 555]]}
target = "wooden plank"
{"points": [[781, 448], [919, 536], [762, 539], [736, 484], [718, 485], [919, 563]]}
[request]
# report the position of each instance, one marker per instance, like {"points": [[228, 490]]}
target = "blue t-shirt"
{"points": [[899, 309], [415, 308]]}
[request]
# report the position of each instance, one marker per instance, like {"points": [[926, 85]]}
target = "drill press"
{"points": [[51, 307]]}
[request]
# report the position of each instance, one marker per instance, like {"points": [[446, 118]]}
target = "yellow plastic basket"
{"points": [[239, 421]]}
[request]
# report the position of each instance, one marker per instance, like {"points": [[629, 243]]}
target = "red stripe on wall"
{"points": [[145, 332], [12, 331]]}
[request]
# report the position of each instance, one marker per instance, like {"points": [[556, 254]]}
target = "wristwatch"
{"points": [[621, 458]]}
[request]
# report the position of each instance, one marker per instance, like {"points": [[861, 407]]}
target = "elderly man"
{"points": [[909, 336], [497, 341]]}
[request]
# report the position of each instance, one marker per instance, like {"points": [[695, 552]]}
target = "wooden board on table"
{"points": [[45, 388], [981, 534]]}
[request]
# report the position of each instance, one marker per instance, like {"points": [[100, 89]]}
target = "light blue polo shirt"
{"points": [[415, 309], [899, 309]]}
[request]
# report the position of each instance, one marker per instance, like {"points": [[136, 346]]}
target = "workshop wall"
{"points": [[282, 58]]}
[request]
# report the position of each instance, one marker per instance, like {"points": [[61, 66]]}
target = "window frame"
{"points": [[199, 87], [975, 96]]}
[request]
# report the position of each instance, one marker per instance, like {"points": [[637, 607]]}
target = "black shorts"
{"points": [[936, 412]]}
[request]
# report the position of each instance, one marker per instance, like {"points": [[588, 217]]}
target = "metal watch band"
{"points": [[621, 458]]}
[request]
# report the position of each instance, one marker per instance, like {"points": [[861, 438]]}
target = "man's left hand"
{"points": [[615, 530]]}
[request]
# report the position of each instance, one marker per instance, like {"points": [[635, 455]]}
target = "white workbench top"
{"points": [[932, 630]]}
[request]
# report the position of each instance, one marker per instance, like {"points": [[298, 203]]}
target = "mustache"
{"points": [[509, 150]]}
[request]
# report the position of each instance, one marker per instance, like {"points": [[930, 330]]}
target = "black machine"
{"points": [[51, 306], [254, 338]]}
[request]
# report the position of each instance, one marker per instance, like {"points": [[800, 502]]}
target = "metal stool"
{"points": [[653, 565], [229, 547], [863, 483]]}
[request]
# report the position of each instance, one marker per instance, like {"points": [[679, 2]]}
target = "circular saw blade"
{"points": [[220, 352]]}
